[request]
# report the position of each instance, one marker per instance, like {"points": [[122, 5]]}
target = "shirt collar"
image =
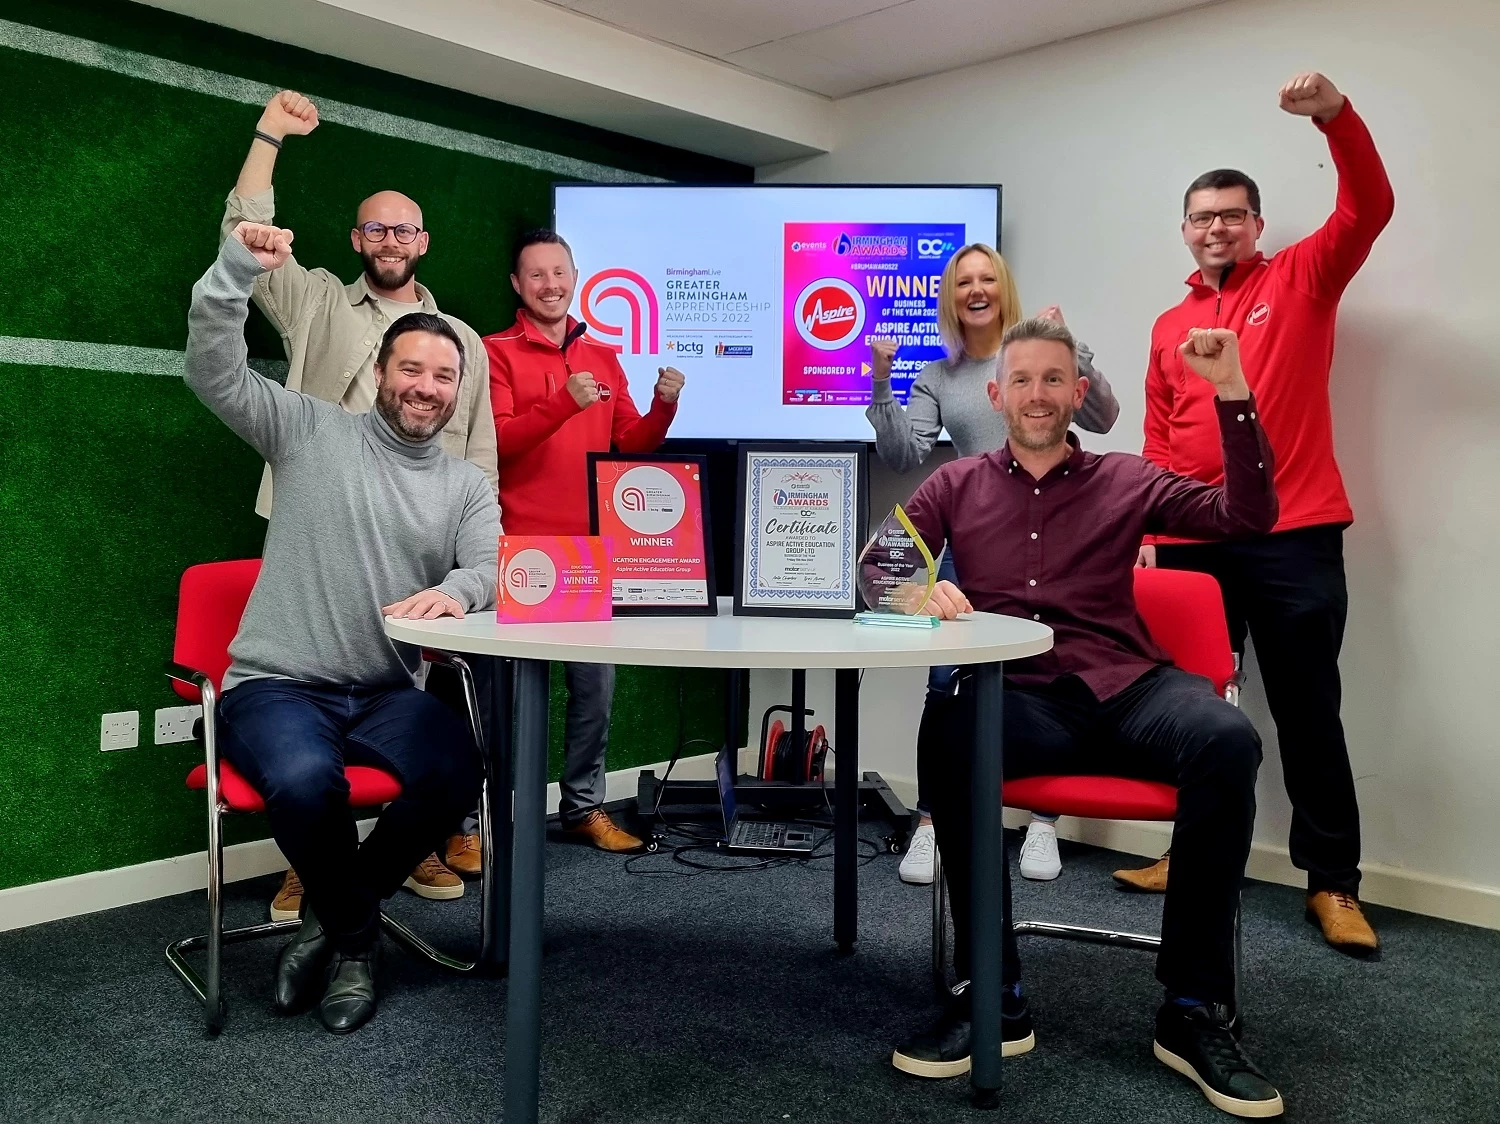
{"points": [[534, 334], [1072, 464], [359, 292], [388, 438], [1237, 274]]}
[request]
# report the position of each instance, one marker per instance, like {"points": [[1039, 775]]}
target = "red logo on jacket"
{"points": [[604, 391], [1258, 315]]}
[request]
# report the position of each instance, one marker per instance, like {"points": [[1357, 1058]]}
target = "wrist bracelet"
{"points": [[268, 138]]}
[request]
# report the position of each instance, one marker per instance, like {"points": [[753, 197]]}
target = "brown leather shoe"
{"points": [[1147, 879], [601, 831], [462, 855], [1343, 922], [434, 881], [287, 904]]}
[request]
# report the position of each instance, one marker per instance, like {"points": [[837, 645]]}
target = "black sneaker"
{"points": [[942, 1050], [1202, 1044]]}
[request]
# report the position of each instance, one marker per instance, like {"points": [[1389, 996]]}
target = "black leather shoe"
{"points": [[302, 967], [349, 1002], [1203, 1044], [942, 1050]]}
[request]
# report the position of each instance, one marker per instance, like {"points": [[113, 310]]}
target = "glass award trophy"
{"points": [[896, 575]]}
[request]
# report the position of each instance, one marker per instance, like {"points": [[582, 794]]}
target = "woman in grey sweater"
{"points": [[977, 303]]}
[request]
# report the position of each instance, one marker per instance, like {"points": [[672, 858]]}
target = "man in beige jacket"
{"points": [[332, 333]]}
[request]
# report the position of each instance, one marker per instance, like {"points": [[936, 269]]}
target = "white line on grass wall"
{"points": [[86, 52], [119, 358]]}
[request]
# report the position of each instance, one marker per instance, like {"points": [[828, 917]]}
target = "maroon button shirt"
{"points": [[1061, 550]]}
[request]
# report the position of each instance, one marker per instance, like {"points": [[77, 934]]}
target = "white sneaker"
{"points": [[1040, 861], [916, 864]]}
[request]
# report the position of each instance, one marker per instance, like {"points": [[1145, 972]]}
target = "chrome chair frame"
{"points": [[207, 988], [1119, 939]]}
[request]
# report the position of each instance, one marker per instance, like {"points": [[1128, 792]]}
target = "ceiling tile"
{"points": [[797, 66]]}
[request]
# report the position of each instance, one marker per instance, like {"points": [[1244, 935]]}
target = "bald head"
{"points": [[392, 254], [389, 207]]}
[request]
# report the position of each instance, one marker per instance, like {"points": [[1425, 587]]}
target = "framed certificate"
{"points": [[650, 508], [800, 516]]}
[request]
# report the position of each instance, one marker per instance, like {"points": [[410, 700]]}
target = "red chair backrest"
{"points": [[210, 601], [1184, 612]]}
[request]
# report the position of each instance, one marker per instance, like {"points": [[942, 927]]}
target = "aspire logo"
{"points": [[611, 292], [829, 313]]}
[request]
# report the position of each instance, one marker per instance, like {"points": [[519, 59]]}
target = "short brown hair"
{"points": [[1218, 180], [536, 238], [1039, 328]]}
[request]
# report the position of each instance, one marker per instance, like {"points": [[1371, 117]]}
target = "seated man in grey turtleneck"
{"points": [[368, 509]]}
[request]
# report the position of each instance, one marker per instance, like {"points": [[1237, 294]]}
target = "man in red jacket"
{"points": [[558, 396], [1286, 587]]}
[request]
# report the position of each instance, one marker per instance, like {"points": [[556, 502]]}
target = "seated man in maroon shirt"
{"points": [[1042, 529]]}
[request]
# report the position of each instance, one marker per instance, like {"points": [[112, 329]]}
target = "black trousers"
{"points": [[1288, 591], [1168, 726], [291, 740]]}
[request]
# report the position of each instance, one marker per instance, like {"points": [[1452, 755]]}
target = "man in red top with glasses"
{"points": [[1286, 588], [559, 396]]}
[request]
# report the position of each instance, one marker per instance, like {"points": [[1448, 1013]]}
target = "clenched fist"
{"points": [[271, 245], [583, 388], [288, 114], [1214, 355], [882, 352], [1310, 94], [669, 384]]}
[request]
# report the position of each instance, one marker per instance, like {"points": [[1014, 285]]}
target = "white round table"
{"points": [[727, 641]]}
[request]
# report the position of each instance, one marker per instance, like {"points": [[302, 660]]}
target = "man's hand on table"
{"points": [[425, 606], [947, 602]]}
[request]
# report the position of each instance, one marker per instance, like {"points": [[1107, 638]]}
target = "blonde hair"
{"points": [[1010, 300]]}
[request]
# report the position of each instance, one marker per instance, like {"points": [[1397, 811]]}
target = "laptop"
{"points": [[757, 837]]}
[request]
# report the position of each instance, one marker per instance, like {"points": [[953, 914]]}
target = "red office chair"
{"points": [[210, 602], [1184, 612]]}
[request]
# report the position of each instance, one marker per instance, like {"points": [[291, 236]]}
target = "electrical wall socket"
{"points": [[120, 730], [175, 723]]}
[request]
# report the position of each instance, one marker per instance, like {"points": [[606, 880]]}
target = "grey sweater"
{"points": [[362, 519], [953, 396]]}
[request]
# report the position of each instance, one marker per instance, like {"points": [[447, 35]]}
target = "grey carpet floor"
{"points": [[679, 997]]}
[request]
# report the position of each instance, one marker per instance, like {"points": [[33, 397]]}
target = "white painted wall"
{"points": [[1094, 141]]}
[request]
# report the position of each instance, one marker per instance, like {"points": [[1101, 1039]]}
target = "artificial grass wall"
{"points": [[110, 483]]}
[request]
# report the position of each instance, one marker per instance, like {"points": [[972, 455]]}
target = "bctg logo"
{"points": [[829, 313], [619, 306]]}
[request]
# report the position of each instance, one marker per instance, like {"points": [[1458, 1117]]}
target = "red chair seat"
{"points": [[1105, 798], [367, 786]]}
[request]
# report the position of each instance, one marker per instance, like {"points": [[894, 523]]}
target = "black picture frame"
{"points": [[711, 608], [859, 452]]}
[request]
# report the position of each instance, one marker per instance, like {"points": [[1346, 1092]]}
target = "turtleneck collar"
{"points": [[387, 437]]}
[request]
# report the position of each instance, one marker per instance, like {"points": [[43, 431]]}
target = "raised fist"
{"points": [[288, 114], [1214, 355], [271, 245], [1310, 94], [882, 352], [669, 383], [583, 388]]}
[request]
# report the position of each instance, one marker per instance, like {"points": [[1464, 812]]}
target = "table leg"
{"points": [[498, 786], [846, 810], [988, 869], [523, 1045]]}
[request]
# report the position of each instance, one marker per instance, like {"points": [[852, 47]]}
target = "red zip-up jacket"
{"points": [[1283, 309], [544, 438]]}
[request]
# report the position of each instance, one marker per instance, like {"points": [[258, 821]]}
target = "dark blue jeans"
{"points": [[291, 740]]}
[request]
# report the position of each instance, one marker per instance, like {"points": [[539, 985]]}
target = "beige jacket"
{"points": [[332, 333]]}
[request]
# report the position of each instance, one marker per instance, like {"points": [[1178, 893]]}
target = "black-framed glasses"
{"points": [[405, 232], [1234, 216]]}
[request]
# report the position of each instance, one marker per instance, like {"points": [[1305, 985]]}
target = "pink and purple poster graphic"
{"points": [[846, 283], [554, 578]]}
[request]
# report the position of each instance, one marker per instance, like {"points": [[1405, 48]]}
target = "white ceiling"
{"points": [[839, 47]]}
